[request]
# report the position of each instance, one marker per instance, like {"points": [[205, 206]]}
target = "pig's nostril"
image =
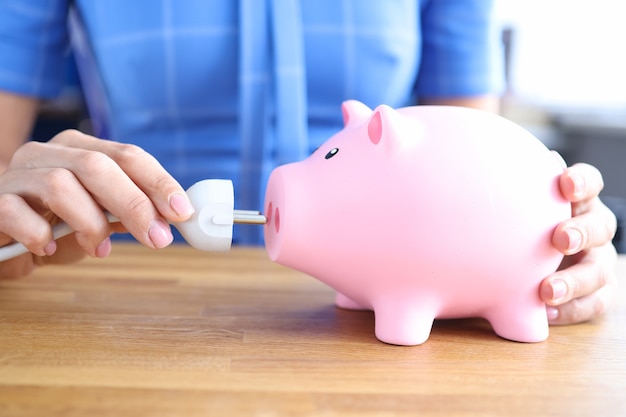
{"points": [[277, 220], [269, 213]]}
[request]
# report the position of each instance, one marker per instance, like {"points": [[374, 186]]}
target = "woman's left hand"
{"points": [[583, 286]]}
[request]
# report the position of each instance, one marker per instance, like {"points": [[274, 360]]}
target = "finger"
{"points": [[66, 197], [581, 309], [594, 271], [56, 191], [106, 182], [591, 229], [68, 251], [164, 191], [23, 224], [581, 182]]}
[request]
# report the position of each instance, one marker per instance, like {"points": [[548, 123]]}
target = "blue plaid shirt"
{"points": [[230, 89]]}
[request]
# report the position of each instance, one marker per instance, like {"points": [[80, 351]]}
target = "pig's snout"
{"points": [[275, 207], [289, 212], [273, 217]]}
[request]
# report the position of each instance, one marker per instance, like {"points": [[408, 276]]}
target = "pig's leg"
{"points": [[401, 324], [520, 320], [343, 301]]}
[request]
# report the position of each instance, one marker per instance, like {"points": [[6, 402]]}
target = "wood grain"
{"points": [[180, 332]]}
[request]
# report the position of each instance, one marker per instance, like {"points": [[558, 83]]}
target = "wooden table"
{"points": [[186, 333]]}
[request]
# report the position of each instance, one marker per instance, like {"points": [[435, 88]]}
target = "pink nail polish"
{"points": [[575, 239], [552, 313], [160, 234], [579, 184], [104, 248], [559, 289], [181, 205], [50, 248]]}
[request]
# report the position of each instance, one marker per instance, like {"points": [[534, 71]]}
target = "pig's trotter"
{"points": [[403, 325], [529, 324]]}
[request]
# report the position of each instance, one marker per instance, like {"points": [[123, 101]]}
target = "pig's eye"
{"points": [[331, 153]]}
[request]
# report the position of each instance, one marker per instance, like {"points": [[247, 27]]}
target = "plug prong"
{"points": [[248, 217]]}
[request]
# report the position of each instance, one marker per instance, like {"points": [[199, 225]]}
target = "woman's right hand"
{"points": [[75, 178]]}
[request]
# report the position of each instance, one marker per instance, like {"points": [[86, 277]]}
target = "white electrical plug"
{"points": [[210, 228]]}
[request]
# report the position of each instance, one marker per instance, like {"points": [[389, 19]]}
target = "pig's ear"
{"points": [[354, 111], [388, 126]]}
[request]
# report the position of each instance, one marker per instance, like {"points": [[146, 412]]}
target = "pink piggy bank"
{"points": [[421, 213]]}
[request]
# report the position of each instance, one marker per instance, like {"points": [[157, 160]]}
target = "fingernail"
{"points": [[104, 248], [50, 248], [575, 239], [160, 234], [181, 205], [559, 289], [552, 313], [579, 184]]}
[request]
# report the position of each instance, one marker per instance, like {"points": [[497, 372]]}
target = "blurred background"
{"points": [[564, 65]]}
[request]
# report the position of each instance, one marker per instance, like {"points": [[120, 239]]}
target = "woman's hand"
{"points": [[583, 286], [74, 178]]}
